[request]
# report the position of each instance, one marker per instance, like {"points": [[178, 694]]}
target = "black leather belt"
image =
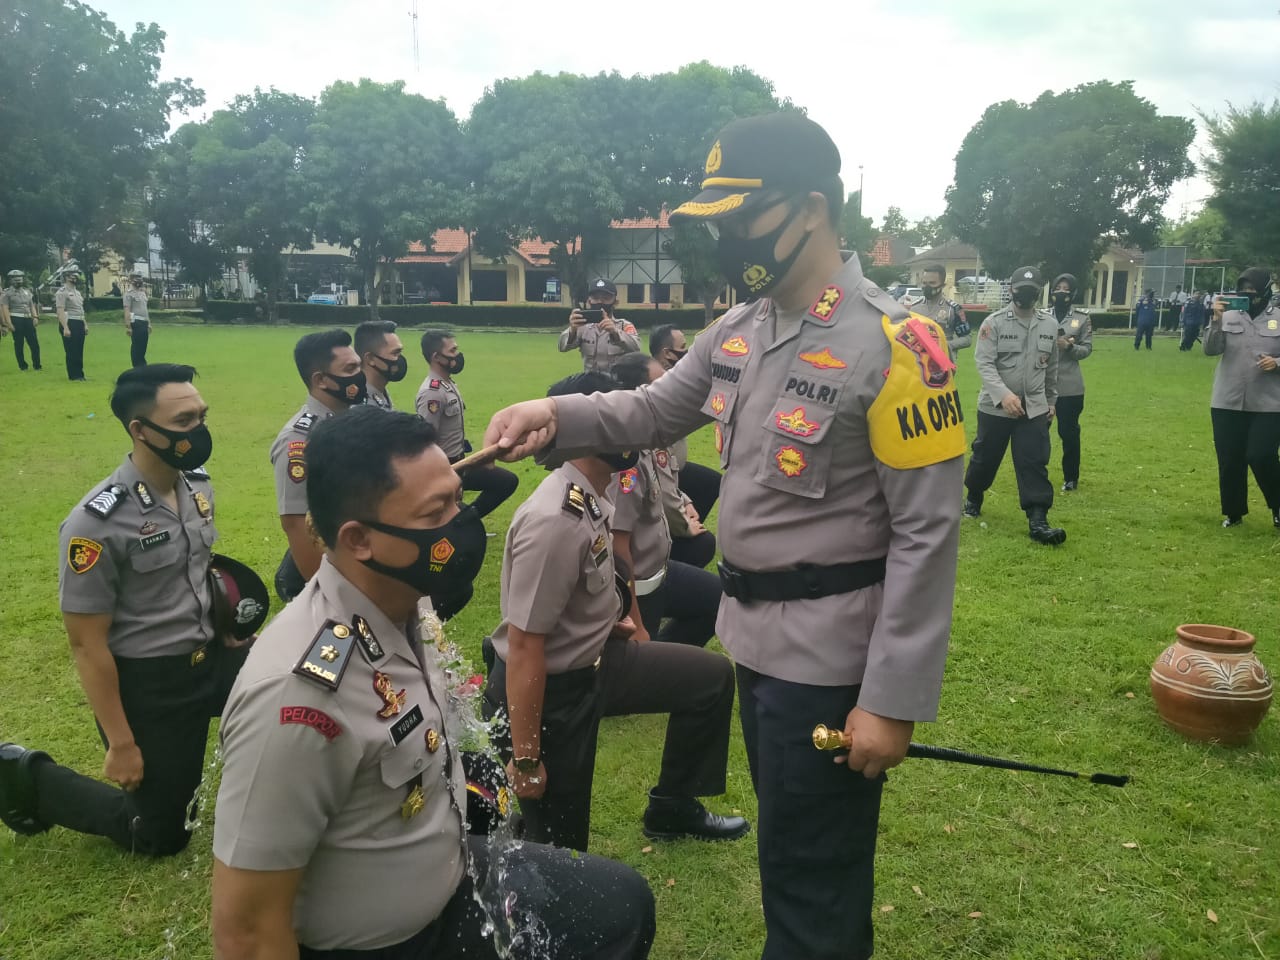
{"points": [[806, 582]]}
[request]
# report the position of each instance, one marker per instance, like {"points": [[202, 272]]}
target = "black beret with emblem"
{"points": [[1026, 277], [240, 599], [759, 157], [488, 796]]}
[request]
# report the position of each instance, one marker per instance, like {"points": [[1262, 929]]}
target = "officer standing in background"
{"points": [[947, 314], [1193, 317], [138, 607], [562, 664], [70, 306], [440, 404], [20, 314], [1075, 343], [340, 830], [382, 359], [335, 383], [603, 341], [1144, 316], [1017, 358], [839, 428], [137, 322]]}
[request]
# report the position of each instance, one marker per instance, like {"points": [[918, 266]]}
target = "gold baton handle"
{"points": [[481, 456], [825, 738]]}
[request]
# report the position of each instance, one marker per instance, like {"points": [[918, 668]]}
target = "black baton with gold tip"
{"points": [[825, 738]]}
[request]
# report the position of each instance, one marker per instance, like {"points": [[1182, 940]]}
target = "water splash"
{"points": [[192, 822]]}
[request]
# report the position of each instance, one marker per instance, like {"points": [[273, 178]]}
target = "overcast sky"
{"points": [[897, 84]]}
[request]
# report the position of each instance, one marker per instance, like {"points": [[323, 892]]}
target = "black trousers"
{"points": [[694, 686], [73, 346], [168, 702], [701, 485], [683, 609], [817, 822], [1143, 331], [24, 333], [1246, 441], [696, 551], [494, 483], [1190, 334], [1030, 441], [1068, 416], [579, 907], [140, 333]]}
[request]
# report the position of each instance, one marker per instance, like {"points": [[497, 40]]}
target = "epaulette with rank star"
{"points": [[327, 657], [106, 502], [305, 422], [575, 500]]}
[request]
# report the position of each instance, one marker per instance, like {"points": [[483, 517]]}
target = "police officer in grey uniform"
{"points": [[1075, 343], [136, 600], [441, 405], [1245, 406], [601, 342], [945, 313], [341, 813], [20, 314], [70, 307], [335, 381], [137, 322], [838, 426], [1017, 358], [382, 359], [562, 663]]}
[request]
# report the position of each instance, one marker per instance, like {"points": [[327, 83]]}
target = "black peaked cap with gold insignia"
{"points": [[757, 157]]}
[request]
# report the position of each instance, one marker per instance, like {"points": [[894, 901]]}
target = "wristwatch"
{"points": [[526, 764]]}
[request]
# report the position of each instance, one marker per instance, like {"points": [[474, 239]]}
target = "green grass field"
{"points": [[1049, 663]]}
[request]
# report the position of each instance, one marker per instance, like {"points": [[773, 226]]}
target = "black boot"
{"points": [[972, 505], [18, 789], [670, 818], [1040, 531]]}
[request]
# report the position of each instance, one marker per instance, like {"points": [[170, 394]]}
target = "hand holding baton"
{"points": [[479, 458]]}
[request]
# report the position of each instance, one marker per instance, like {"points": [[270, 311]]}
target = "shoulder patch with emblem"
{"points": [[575, 500], [82, 554], [327, 656], [106, 502], [317, 720], [627, 480], [916, 419], [305, 422]]}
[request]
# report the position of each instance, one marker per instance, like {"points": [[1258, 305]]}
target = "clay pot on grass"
{"points": [[1210, 686]]}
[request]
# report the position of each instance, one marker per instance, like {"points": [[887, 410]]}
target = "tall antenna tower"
{"points": [[413, 16]]}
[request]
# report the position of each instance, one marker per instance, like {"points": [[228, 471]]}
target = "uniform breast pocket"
{"points": [[796, 459], [1042, 359], [452, 408], [154, 558], [1006, 361], [1271, 330], [597, 572], [406, 766], [208, 534]]}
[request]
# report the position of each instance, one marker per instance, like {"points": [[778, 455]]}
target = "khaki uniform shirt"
{"points": [[1070, 380], [125, 552], [674, 499], [1019, 357], [135, 304], [317, 772], [1240, 340], [638, 510], [841, 441], [70, 300], [557, 572], [19, 301], [288, 457], [946, 314], [440, 404], [599, 350]]}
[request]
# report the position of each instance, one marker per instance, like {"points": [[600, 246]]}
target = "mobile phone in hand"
{"points": [[1234, 301], [592, 316]]}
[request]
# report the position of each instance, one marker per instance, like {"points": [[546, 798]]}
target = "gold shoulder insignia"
{"points": [[916, 419], [575, 500], [327, 656]]}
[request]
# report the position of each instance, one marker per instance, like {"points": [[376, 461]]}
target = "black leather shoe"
{"points": [[1068, 486], [1275, 519], [18, 789], [1232, 522], [1040, 531], [671, 818], [972, 508]]}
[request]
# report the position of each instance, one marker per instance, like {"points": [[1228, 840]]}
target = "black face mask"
{"points": [[620, 461], [449, 557], [930, 292], [187, 449], [679, 355], [749, 262], [1026, 298], [395, 369], [351, 390], [457, 362]]}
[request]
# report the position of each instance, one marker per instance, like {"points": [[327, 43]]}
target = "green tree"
{"points": [[1244, 168], [1049, 182], [383, 170], [856, 231], [895, 224], [82, 107], [691, 246], [244, 180], [172, 207], [925, 232]]}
